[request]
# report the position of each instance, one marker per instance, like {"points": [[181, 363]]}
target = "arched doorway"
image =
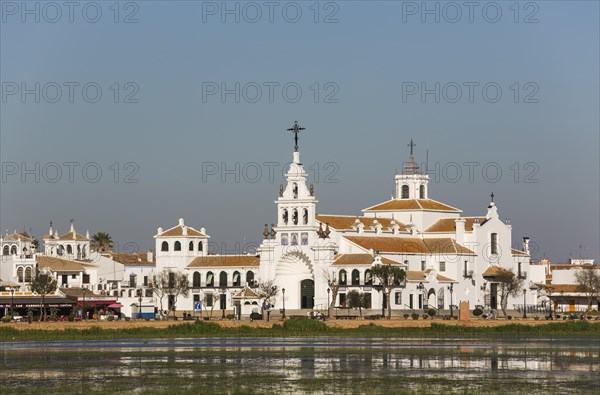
{"points": [[431, 299], [307, 294]]}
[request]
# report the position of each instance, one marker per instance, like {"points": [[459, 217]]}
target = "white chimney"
{"points": [[181, 223], [526, 245], [460, 230], [150, 256]]}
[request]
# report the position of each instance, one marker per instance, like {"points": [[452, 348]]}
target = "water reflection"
{"points": [[356, 365]]}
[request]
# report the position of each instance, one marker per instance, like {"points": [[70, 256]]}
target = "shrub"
{"points": [[589, 317], [509, 317], [71, 316], [536, 318], [304, 324], [6, 319], [431, 312], [111, 318], [127, 318], [255, 316], [372, 317], [415, 316], [406, 315], [425, 316], [477, 312], [230, 316], [484, 316]]}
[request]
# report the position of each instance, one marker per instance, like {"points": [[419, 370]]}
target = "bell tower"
{"points": [[411, 183]]}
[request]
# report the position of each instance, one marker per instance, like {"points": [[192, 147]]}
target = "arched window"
{"points": [[191, 247], [5, 250], [60, 250], [177, 246], [422, 192], [284, 216], [294, 239], [13, 250], [355, 277], [200, 246], [196, 280], [404, 192], [494, 243], [295, 217], [210, 279], [20, 274], [342, 277], [368, 277], [236, 279], [441, 298], [28, 275], [223, 279], [305, 216], [69, 249], [99, 287], [295, 190], [164, 246], [250, 278]]}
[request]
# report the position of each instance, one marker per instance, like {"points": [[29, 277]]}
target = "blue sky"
{"points": [[356, 73]]}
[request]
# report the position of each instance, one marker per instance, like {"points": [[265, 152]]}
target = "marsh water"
{"points": [[302, 365]]}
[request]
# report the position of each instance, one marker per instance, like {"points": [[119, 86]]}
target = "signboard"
{"points": [[198, 307]]}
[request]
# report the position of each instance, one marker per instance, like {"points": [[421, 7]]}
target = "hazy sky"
{"points": [[518, 92]]}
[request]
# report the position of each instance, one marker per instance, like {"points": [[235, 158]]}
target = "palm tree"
{"points": [[102, 242]]}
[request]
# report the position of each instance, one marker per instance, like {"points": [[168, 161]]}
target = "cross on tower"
{"points": [[492, 196], [411, 145], [296, 129]]}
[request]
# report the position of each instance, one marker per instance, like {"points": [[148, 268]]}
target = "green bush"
{"points": [[372, 317], [415, 316], [71, 316], [255, 316], [6, 319], [304, 324], [230, 316], [406, 315], [111, 318], [127, 318], [477, 312], [431, 312], [425, 316]]}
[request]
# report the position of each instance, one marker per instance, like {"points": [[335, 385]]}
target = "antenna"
{"points": [[427, 161]]}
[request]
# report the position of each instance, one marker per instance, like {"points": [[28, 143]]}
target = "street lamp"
{"points": [[328, 292], [140, 304], [524, 303], [12, 303], [451, 288], [283, 292], [421, 287], [223, 303]]}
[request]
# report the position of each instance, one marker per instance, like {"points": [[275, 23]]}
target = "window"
{"points": [[295, 190], [196, 280], [398, 298], [284, 239], [28, 275], [442, 266], [132, 280], [343, 299], [236, 279], [73, 276], [304, 239], [305, 217], [466, 268], [20, 274], [148, 293], [223, 279], [177, 246], [171, 280], [164, 246], [284, 216], [209, 300], [518, 271], [410, 301], [342, 277], [85, 280], [404, 192], [69, 249], [5, 251], [145, 281], [200, 246], [494, 243], [368, 277], [441, 298], [294, 239], [355, 277], [210, 280], [295, 217], [423, 265], [422, 192], [250, 278], [191, 246]]}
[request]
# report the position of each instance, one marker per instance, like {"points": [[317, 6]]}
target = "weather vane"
{"points": [[296, 129]]}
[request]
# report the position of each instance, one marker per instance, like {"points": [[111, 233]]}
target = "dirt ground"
{"points": [[396, 322]]}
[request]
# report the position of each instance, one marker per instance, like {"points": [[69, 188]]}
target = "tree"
{"points": [[358, 300], [102, 242], [389, 277], [266, 290], [43, 283], [168, 283], [508, 285], [334, 286], [588, 282]]}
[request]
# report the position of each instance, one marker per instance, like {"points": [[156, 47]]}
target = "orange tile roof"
{"points": [[412, 204], [246, 293], [346, 222], [519, 252], [69, 236], [78, 292], [360, 259], [177, 231], [409, 245], [448, 225], [225, 261], [17, 236], [492, 271], [59, 265], [138, 259], [572, 288]]}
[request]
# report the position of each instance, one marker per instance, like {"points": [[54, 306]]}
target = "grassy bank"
{"points": [[303, 328]]}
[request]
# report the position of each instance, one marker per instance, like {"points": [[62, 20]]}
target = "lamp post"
{"points": [[562, 299], [328, 292], [421, 287], [223, 303], [84, 309], [12, 303], [451, 288], [140, 304], [524, 303], [483, 290], [283, 297]]}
